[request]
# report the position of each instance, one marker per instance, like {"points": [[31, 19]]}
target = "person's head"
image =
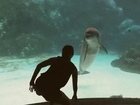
{"points": [[67, 51]]}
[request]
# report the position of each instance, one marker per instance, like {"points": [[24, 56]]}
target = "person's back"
{"points": [[59, 73]]}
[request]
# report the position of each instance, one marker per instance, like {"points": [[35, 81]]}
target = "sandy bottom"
{"points": [[103, 80]]}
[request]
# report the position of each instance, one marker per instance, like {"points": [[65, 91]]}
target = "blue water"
{"points": [[103, 81]]}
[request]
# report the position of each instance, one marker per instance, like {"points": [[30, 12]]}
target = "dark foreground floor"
{"points": [[101, 101]]}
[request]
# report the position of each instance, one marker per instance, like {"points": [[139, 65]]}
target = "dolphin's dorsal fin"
{"points": [[103, 48]]}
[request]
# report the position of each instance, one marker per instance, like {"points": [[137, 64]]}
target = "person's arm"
{"points": [[38, 68], [74, 81]]}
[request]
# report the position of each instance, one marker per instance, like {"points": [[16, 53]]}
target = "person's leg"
{"points": [[62, 99], [51, 103], [48, 99], [57, 97]]}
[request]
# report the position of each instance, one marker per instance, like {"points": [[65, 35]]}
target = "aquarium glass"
{"points": [[32, 31]]}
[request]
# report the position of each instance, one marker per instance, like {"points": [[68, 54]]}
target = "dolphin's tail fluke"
{"points": [[83, 72]]}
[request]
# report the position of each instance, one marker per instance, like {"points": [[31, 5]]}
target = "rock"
{"points": [[129, 61]]}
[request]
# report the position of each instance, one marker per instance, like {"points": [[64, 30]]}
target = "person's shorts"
{"points": [[47, 92]]}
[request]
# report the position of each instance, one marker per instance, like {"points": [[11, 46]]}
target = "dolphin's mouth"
{"points": [[89, 35]]}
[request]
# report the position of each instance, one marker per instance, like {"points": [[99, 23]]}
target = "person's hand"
{"points": [[31, 88], [74, 97]]}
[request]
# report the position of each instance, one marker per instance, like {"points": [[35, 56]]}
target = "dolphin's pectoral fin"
{"points": [[103, 48], [85, 50], [82, 73], [85, 54]]}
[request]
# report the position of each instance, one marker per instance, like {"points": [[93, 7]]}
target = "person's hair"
{"points": [[67, 51]]}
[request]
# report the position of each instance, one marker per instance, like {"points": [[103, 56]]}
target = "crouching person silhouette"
{"points": [[50, 82]]}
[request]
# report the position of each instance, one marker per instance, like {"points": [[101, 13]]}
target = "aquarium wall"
{"points": [[34, 30]]}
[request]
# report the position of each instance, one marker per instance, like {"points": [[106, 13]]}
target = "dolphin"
{"points": [[90, 48]]}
